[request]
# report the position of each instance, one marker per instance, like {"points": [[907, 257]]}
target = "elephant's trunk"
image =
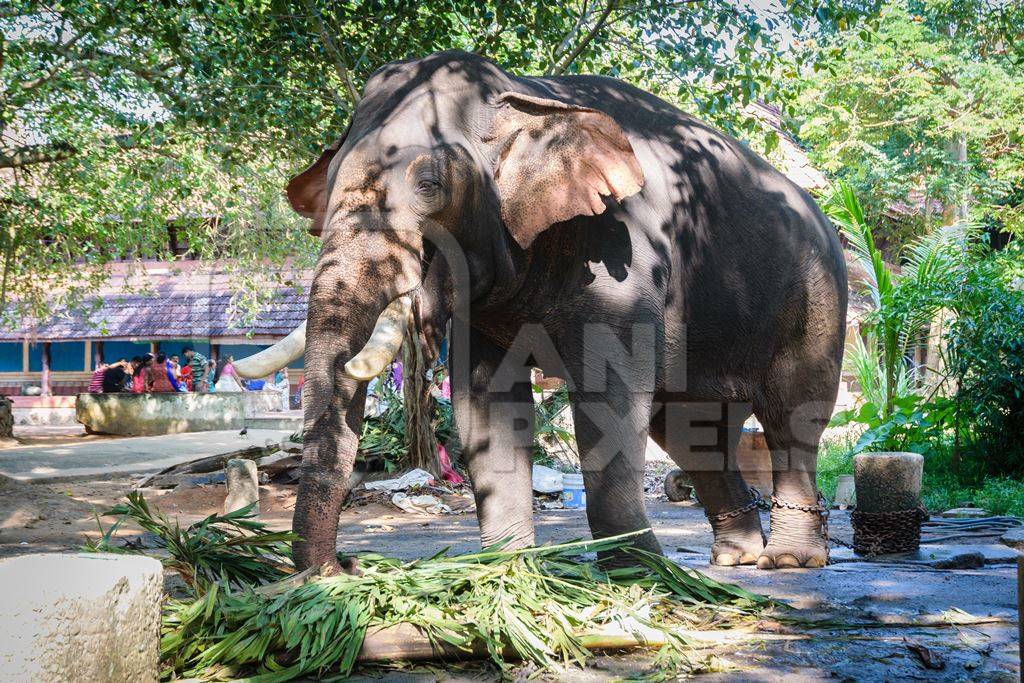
{"points": [[358, 286]]}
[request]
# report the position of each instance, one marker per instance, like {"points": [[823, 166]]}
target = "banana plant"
{"points": [[905, 304]]}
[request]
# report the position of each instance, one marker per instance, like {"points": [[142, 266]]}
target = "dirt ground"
{"points": [[59, 517]]}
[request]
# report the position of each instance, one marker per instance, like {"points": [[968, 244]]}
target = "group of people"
{"points": [[162, 373]]}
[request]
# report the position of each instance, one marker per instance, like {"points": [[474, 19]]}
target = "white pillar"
{"points": [[80, 617]]}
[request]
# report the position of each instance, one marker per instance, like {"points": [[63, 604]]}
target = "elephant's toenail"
{"points": [[786, 561], [724, 560], [765, 562]]}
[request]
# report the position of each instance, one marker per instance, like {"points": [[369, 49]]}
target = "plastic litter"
{"points": [[412, 478], [546, 480], [425, 503]]}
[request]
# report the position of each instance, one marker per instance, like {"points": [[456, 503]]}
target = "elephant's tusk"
{"points": [[273, 358], [384, 342]]}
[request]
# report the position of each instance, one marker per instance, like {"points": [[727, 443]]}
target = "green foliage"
{"points": [[233, 549], [545, 604], [548, 430], [942, 487], [985, 354], [912, 425], [981, 295], [922, 102], [384, 435], [904, 307], [540, 603]]}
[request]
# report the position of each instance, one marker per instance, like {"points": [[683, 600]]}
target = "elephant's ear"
{"points": [[557, 161], [308, 191]]}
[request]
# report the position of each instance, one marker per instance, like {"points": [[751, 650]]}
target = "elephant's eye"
{"points": [[428, 186]]}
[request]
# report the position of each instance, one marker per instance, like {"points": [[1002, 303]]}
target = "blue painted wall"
{"points": [[10, 356], [64, 357], [116, 350]]}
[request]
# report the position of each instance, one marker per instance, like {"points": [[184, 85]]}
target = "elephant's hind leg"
{"points": [[707, 452], [794, 415]]}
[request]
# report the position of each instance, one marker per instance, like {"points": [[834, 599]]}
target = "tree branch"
{"points": [[19, 157], [338, 59], [564, 63]]}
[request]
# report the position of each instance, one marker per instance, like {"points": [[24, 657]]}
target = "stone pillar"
{"points": [[887, 482], [242, 485], [6, 420], [80, 617], [44, 381]]}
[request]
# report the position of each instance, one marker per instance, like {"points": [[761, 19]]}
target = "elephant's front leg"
{"points": [[702, 438], [611, 432], [495, 420]]}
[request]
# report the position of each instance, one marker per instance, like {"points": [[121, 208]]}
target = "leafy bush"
{"points": [[985, 355]]}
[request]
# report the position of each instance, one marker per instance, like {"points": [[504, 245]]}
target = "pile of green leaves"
{"points": [[543, 605], [547, 429], [535, 605], [233, 549]]}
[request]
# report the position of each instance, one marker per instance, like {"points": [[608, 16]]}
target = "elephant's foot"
{"points": [[798, 536], [340, 565], [738, 537]]}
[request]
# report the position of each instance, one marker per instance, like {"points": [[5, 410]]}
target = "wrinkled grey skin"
{"points": [[719, 282]]}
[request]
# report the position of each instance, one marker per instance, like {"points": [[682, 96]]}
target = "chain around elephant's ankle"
{"points": [[819, 508], [756, 501]]}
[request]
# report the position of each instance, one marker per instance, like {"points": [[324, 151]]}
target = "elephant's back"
{"points": [[753, 261]]}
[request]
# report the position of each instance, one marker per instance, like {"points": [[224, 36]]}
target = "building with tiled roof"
{"points": [[145, 307]]}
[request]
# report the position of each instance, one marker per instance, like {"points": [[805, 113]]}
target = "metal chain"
{"points": [[820, 507], [883, 533], [756, 502]]}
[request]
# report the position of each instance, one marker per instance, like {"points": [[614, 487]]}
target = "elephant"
{"points": [[674, 279]]}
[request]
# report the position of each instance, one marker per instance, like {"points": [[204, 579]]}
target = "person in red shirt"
{"points": [[185, 376], [96, 382], [140, 364]]}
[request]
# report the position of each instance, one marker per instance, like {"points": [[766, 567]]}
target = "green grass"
{"points": [[940, 489]]}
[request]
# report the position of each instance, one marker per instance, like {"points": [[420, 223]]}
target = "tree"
{"points": [[923, 109], [117, 117]]}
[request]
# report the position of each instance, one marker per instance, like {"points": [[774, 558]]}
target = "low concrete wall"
{"points": [[257, 402], [171, 413], [43, 410], [80, 617], [153, 414]]}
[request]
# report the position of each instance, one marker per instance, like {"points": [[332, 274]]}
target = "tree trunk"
{"points": [[419, 408]]}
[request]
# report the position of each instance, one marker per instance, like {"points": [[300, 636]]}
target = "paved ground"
{"points": [[895, 599], [850, 592], [99, 458]]}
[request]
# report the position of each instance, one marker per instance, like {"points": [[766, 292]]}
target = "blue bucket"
{"points": [[573, 493]]}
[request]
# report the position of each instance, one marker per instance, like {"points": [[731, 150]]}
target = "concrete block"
{"points": [[887, 481], [1014, 538], [167, 413], [82, 617], [242, 484]]}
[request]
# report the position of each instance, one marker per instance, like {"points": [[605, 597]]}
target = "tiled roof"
{"points": [[178, 300]]}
